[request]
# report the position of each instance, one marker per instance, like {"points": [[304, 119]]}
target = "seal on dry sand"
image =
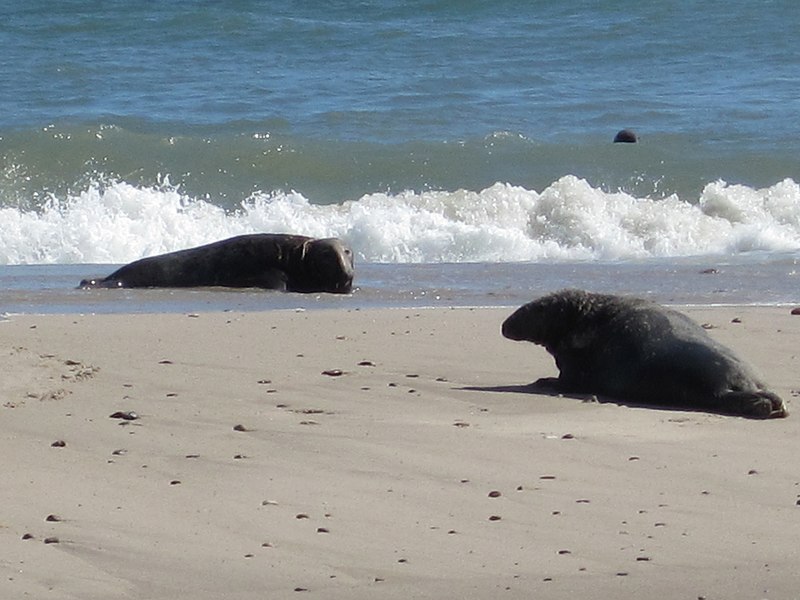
{"points": [[634, 350]]}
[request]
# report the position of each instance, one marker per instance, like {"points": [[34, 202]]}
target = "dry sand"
{"points": [[424, 470]]}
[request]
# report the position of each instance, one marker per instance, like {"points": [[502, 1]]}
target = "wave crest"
{"points": [[115, 222]]}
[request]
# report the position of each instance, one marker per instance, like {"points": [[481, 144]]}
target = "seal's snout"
{"points": [[343, 255], [510, 328], [344, 286]]}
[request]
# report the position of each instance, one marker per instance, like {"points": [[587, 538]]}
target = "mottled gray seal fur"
{"points": [[292, 263], [634, 350]]}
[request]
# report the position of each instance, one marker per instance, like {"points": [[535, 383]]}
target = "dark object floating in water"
{"points": [[625, 136]]}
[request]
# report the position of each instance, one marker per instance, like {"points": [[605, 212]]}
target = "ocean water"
{"points": [[463, 149]]}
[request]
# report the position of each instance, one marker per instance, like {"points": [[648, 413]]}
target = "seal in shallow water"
{"points": [[292, 263], [634, 350]]}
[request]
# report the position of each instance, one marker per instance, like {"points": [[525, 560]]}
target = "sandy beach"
{"points": [[381, 453]]}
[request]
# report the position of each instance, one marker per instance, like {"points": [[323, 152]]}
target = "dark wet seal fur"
{"points": [[291, 263], [634, 350]]}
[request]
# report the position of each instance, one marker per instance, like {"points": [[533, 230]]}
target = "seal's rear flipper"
{"points": [[93, 284], [757, 405]]}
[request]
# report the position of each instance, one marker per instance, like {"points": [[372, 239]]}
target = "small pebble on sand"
{"points": [[125, 415]]}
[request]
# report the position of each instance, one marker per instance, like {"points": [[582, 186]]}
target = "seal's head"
{"points": [[550, 318], [327, 266], [625, 136]]}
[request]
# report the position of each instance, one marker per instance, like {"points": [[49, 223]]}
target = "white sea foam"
{"points": [[569, 220]]}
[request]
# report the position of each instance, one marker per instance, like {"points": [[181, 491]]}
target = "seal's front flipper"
{"points": [[272, 279], [549, 385], [756, 405]]}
